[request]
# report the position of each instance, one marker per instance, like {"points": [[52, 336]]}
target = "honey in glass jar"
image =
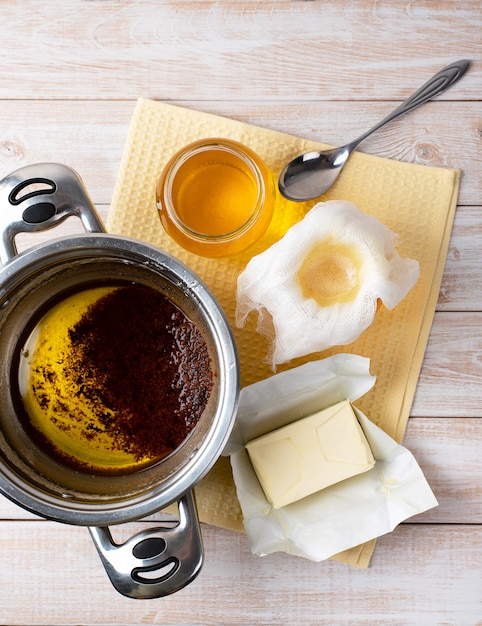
{"points": [[215, 197]]}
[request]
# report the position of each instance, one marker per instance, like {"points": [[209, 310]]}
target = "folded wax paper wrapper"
{"points": [[415, 201], [343, 515]]}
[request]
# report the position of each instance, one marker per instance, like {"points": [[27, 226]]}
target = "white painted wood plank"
{"points": [[235, 50], [450, 382], [461, 288], [448, 451], [420, 574], [90, 136]]}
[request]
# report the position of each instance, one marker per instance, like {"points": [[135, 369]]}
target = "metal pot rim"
{"points": [[64, 249]]}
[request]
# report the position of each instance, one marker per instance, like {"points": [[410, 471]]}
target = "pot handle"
{"points": [[38, 197], [155, 562]]}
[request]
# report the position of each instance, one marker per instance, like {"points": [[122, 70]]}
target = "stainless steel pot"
{"points": [[160, 560]]}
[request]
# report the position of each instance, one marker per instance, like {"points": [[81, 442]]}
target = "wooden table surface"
{"points": [[70, 74]]}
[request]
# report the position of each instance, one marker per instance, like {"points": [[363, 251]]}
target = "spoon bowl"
{"points": [[309, 175], [305, 175]]}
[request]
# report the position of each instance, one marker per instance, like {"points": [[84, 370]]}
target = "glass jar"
{"points": [[215, 197]]}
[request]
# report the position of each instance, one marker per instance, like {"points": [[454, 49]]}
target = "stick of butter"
{"points": [[310, 454]]}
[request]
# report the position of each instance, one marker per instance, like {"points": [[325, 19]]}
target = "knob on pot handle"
{"points": [[157, 561], [38, 197]]}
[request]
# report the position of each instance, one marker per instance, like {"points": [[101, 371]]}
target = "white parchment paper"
{"points": [[346, 514]]}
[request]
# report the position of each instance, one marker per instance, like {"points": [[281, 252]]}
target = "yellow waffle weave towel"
{"points": [[415, 201]]}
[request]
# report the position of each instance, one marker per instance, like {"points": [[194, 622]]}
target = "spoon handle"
{"points": [[441, 81]]}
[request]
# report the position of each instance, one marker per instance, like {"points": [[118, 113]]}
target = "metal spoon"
{"points": [[311, 174]]}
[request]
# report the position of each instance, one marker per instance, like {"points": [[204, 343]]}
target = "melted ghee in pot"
{"points": [[113, 379]]}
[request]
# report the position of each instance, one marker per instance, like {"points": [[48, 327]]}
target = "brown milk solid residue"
{"points": [[113, 378]]}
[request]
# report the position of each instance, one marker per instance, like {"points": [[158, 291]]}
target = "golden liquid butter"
{"points": [[310, 454], [215, 197], [113, 379], [51, 396]]}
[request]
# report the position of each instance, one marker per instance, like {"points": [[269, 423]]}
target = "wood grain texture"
{"points": [[70, 75], [90, 136], [461, 284], [448, 451], [450, 382], [461, 288], [63, 574], [250, 50]]}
